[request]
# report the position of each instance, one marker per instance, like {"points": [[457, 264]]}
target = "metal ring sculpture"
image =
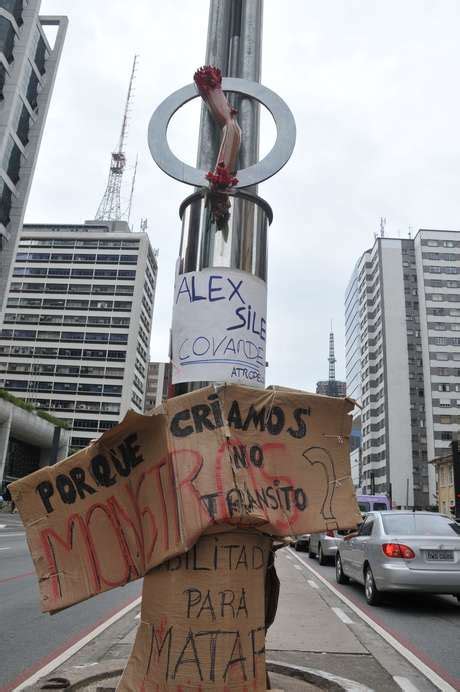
{"points": [[257, 173]]}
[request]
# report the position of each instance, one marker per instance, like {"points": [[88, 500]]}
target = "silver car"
{"points": [[402, 551], [324, 545], [302, 542]]}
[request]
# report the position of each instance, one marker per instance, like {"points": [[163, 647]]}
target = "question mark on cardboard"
{"points": [[319, 455]]}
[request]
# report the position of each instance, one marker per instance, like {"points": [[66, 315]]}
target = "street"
{"points": [[427, 625], [29, 638]]}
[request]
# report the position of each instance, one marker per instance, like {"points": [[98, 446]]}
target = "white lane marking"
{"points": [[313, 583], [343, 683], [343, 616], [12, 535], [405, 684], [289, 557], [2, 526], [429, 673], [137, 617], [52, 665], [298, 567], [7, 548]]}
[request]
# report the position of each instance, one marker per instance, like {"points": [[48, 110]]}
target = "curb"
{"points": [[108, 673]]}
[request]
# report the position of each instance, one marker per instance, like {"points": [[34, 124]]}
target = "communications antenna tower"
{"points": [[133, 183], [331, 358], [110, 206]]}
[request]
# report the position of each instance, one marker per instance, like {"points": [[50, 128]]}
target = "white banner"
{"points": [[219, 327]]}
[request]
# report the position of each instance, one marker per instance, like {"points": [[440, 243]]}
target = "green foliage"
{"points": [[5, 394]]}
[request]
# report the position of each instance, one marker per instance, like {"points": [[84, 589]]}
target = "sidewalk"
{"points": [[331, 649]]}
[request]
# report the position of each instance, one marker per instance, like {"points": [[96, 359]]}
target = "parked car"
{"points": [[324, 545], [402, 551], [302, 542]]}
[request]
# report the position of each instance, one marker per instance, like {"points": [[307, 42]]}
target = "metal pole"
{"points": [[234, 45], [217, 47]]}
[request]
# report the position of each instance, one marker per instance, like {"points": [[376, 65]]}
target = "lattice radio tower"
{"points": [[331, 358], [110, 206]]}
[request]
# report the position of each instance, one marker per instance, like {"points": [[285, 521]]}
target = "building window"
{"points": [[32, 88], [14, 7], [2, 79], [5, 203], [23, 125], [7, 37], [40, 55], [12, 160]]}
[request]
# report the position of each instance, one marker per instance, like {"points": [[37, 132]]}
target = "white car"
{"points": [[402, 551]]}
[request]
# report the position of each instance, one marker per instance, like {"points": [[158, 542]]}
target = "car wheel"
{"points": [[340, 576], [297, 547], [373, 596], [321, 558]]}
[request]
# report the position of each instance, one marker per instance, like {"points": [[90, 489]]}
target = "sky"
{"points": [[373, 86]]}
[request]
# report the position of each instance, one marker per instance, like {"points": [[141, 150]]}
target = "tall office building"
{"points": [[402, 310], [159, 377], [76, 330], [28, 66]]}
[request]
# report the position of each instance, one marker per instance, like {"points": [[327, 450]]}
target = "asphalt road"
{"points": [[428, 625], [29, 638]]}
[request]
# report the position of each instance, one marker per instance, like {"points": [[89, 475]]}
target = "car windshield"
{"points": [[364, 506], [419, 525]]}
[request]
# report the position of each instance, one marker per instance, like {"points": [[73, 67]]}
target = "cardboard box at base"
{"points": [[203, 619]]}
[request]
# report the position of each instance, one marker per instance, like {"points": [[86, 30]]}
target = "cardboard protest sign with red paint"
{"points": [[202, 624], [276, 460]]}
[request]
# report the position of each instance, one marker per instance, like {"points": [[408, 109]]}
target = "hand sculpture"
{"points": [[209, 83]]}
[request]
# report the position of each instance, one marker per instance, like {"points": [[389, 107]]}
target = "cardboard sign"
{"points": [[203, 619], [147, 490], [219, 327]]}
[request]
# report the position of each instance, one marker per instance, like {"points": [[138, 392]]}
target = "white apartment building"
{"points": [[402, 313], [28, 66], [77, 323], [159, 377], [437, 255], [353, 371]]}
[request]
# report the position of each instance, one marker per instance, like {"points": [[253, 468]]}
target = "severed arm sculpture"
{"points": [[208, 80]]}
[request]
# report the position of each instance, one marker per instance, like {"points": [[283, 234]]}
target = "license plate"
{"points": [[439, 555]]}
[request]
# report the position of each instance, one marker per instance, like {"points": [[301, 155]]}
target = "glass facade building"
{"points": [[28, 65]]}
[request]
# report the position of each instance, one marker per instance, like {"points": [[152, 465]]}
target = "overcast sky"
{"points": [[373, 85]]}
